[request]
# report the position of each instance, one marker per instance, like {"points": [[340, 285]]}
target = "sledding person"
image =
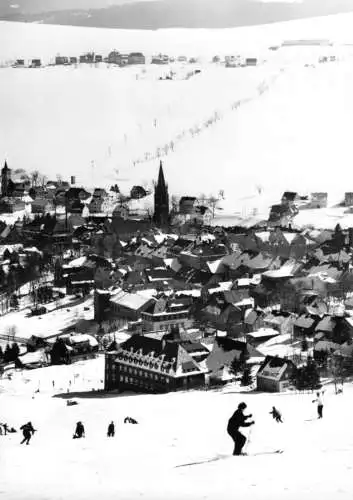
{"points": [[238, 419], [80, 431], [129, 420], [320, 403], [28, 431], [276, 414], [111, 429]]}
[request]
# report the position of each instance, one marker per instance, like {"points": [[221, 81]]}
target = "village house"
{"points": [[136, 58], [129, 305], [166, 313], [260, 336], [348, 199], [316, 200], [35, 63], [225, 351], [146, 364], [275, 374], [114, 57], [61, 60]]}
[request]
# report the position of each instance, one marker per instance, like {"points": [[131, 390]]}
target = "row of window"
{"points": [[144, 383], [144, 374], [166, 317]]}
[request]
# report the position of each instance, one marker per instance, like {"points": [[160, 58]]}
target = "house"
{"points": [[254, 319], [251, 61], [280, 321], [225, 350], [73, 60], [42, 206], [19, 63], [168, 312], [87, 58], [316, 200], [11, 205], [61, 61], [348, 199], [136, 58], [98, 58], [260, 336], [160, 59], [290, 198], [114, 57], [129, 305], [304, 326], [275, 374], [35, 63], [282, 215], [151, 365]]}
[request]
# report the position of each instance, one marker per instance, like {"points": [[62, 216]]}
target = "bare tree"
{"points": [[34, 177]]}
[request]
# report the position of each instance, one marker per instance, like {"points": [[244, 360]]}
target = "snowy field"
{"points": [[280, 126], [174, 429]]}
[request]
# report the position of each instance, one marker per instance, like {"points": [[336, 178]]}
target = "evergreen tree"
{"points": [[15, 351], [235, 366], [7, 354], [1, 354], [246, 379]]}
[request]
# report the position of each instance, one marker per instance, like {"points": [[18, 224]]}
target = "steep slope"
{"points": [[174, 429]]}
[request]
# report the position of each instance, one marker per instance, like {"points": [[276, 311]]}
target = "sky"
{"points": [[158, 14]]}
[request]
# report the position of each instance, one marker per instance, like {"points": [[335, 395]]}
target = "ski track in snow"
{"points": [[174, 429]]}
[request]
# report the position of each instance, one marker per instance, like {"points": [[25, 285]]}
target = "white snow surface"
{"points": [[174, 429], [280, 126]]}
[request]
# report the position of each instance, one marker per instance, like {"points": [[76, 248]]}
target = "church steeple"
{"points": [[5, 180], [161, 200]]}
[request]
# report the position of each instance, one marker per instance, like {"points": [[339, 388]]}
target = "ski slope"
{"points": [[250, 132], [174, 429]]}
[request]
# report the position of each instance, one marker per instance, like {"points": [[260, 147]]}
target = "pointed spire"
{"points": [[161, 181], [6, 166]]}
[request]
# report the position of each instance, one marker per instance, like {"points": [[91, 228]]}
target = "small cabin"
{"points": [[136, 58], [275, 374], [36, 63]]}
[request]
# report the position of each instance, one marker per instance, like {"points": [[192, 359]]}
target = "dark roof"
{"points": [[148, 344], [230, 344], [192, 347], [289, 195]]}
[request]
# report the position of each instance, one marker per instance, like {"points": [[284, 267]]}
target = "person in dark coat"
{"points": [[276, 415], [80, 431], [111, 430], [28, 431], [238, 419], [129, 420]]}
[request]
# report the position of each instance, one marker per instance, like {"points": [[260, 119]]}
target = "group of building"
{"points": [[180, 299]]}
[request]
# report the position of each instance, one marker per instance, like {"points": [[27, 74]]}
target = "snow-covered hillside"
{"points": [[244, 131], [174, 429]]}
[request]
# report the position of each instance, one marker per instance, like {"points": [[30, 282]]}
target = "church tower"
{"points": [[161, 200], [5, 180]]}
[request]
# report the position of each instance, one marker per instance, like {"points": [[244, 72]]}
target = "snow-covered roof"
{"points": [[83, 337], [214, 265], [264, 332], [76, 262], [130, 300]]}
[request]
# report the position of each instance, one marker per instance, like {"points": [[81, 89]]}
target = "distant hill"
{"points": [[157, 14]]}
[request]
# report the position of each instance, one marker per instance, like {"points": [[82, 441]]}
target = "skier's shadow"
{"points": [[310, 419]]}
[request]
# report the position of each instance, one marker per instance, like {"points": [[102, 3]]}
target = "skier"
{"points": [[111, 429], [276, 415], [80, 431], [320, 403], [28, 431], [238, 419]]}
